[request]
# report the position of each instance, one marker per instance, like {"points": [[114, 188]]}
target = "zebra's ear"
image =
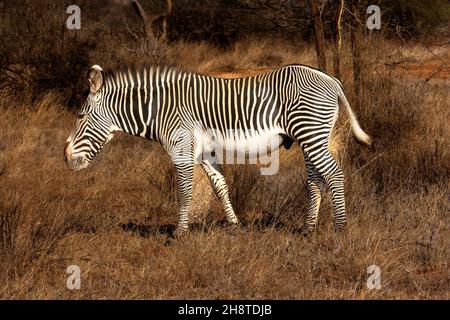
{"points": [[95, 78]]}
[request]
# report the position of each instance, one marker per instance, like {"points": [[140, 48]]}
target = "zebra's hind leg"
{"points": [[336, 183], [332, 174], [220, 188], [315, 185]]}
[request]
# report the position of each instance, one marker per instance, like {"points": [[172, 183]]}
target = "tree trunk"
{"points": [[337, 38], [355, 38], [150, 22], [146, 20], [318, 34], [168, 13]]}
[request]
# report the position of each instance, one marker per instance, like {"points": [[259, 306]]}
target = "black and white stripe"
{"points": [[185, 111]]}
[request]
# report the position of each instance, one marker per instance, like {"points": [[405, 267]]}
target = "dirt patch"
{"points": [[242, 73], [416, 71]]}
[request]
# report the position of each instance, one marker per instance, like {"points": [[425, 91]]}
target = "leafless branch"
{"points": [[155, 40]]}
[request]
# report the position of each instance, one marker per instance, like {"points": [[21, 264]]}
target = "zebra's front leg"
{"points": [[185, 173], [220, 188], [315, 185]]}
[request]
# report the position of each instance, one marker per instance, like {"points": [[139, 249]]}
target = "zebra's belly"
{"points": [[251, 144]]}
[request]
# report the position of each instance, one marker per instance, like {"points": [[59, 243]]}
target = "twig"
{"points": [[375, 159], [428, 78], [436, 55]]}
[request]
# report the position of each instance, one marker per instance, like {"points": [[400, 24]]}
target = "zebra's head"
{"points": [[94, 127]]}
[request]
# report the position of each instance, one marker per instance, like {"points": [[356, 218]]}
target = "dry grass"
{"points": [[105, 219]]}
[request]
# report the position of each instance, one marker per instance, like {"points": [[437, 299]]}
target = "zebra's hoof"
{"points": [[179, 233], [340, 227], [306, 230]]}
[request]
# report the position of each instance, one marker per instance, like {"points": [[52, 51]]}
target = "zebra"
{"points": [[294, 103]]}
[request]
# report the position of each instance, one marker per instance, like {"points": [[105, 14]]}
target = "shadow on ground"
{"points": [[260, 225]]}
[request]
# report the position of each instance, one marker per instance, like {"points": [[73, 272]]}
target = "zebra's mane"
{"points": [[124, 76], [139, 70]]}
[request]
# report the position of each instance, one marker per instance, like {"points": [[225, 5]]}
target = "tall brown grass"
{"points": [[110, 218]]}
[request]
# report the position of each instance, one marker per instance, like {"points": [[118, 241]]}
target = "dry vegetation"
{"points": [[112, 219]]}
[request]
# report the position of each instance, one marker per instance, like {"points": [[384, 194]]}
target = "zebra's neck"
{"points": [[141, 101]]}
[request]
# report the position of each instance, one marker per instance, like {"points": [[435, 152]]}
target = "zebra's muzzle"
{"points": [[74, 163], [67, 152], [77, 163]]}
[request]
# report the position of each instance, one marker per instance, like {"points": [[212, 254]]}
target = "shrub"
{"points": [[39, 53]]}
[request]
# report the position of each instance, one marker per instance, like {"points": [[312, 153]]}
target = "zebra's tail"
{"points": [[359, 133]]}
